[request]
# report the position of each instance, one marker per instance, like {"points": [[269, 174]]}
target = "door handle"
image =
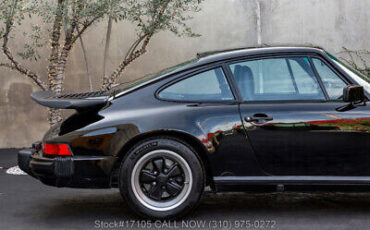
{"points": [[258, 117]]}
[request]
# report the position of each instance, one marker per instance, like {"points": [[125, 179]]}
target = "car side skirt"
{"points": [[292, 183]]}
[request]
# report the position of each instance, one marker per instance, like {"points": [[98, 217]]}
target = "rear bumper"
{"points": [[74, 172], [24, 158]]}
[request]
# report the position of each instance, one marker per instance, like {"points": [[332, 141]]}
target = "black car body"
{"points": [[272, 120]]}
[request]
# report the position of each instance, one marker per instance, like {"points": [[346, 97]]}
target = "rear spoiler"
{"points": [[79, 102]]}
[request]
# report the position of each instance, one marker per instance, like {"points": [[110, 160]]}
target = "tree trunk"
{"points": [[55, 38], [55, 115], [107, 45], [57, 85]]}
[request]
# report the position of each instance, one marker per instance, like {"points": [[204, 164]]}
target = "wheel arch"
{"points": [[188, 139]]}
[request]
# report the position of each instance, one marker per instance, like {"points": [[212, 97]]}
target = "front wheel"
{"points": [[161, 178]]}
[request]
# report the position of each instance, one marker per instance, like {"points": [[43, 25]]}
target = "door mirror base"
{"points": [[350, 106]]}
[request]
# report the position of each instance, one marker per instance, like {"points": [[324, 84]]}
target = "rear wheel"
{"points": [[161, 178]]}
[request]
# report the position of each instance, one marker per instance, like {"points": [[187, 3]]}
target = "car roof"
{"points": [[223, 55], [219, 55]]}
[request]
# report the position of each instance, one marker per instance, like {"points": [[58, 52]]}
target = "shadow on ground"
{"points": [[110, 204], [288, 210]]}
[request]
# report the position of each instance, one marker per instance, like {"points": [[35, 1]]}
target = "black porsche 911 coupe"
{"points": [[263, 119]]}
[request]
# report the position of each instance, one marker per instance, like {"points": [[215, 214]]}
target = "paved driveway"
{"points": [[27, 204]]}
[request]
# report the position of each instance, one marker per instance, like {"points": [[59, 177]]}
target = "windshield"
{"points": [[131, 84], [360, 78]]}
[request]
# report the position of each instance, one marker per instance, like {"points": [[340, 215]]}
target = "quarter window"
{"points": [[207, 86], [333, 83], [277, 79]]}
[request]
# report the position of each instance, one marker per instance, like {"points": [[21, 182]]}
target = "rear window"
{"points": [[206, 86], [132, 84]]}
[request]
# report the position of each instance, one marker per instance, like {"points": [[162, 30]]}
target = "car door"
{"points": [[289, 111], [205, 107]]}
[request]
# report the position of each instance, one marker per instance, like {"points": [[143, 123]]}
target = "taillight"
{"points": [[56, 149]]}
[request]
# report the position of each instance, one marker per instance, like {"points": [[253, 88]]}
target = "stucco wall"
{"points": [[223, 24]]}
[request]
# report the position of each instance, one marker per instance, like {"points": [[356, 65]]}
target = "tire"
{"points": [[161, 178]]}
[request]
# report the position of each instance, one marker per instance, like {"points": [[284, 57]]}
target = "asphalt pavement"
{"points": [[25, 203]]}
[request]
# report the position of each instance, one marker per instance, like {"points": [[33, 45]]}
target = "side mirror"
{"points": [[353, 94]]}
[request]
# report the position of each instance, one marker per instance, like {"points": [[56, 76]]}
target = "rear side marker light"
{"points": [[56, 149]]}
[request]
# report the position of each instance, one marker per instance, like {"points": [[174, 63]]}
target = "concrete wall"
{"points": [[223, 24]]}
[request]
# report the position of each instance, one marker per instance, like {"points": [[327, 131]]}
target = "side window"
{"points": [[207, 86], [333, 83], [277, 79], [304, 77]]}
